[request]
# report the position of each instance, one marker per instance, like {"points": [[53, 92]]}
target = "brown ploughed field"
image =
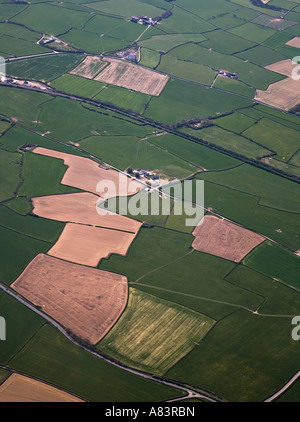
{"points": [[87, 245], [87, 301], [18, 388], [81, 208], [131, 76], [283, 94], [85, 174], [224, 239]]}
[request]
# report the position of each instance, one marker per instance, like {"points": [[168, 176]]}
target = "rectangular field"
{"points": [[130, 76]]}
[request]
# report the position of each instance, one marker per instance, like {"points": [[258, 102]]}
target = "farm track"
{"points": [[190, 393]]}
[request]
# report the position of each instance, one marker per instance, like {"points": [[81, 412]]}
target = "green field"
{"points": [[181, 100], [275, 262], [196, 154], [230, 141], [167, 42], [253, 32], [132, 7], [162, 273], [247, 210], [278, 299], [153, 334], [235, 122], [44, 68], [51, 19], [21, 325], [187, 70], [78, 86], [249, 73], [28, 103], [275, 192], [262, 55], [149, 58], [93, 43], [37, 228], [219, 327], [88, 376], [235, 86], [18, 136], [43, 176], [18, 253], [128, 151], [225, 42], [69, 121], [243, 368], [124, 98], [283, 140], [9, 174]]}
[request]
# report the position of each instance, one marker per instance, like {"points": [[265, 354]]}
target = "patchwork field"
{"points": [[130, 76], [208, 307], [18, 388], [222, 238], [84, 300], [153, 335], [87, 245]]}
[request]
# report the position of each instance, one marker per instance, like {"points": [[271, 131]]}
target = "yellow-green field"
{"points": [[153, 334]]}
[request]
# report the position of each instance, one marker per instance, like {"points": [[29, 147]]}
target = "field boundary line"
{"points": [[16, 371]]}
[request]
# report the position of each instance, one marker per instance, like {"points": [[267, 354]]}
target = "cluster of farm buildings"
{"points": [[144, 20], [150, 177], [228, 74]]}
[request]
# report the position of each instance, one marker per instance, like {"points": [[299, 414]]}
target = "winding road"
{"points": [[190, 393]]}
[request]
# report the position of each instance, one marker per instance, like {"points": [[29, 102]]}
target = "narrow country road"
{"points": [[190, 393]]}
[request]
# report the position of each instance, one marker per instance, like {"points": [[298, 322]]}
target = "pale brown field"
{"points": [[295, 42], [85, 174], [18, 388], [224, 239], [85, 300], [131, 76], [81, 208], [283, 94], [89, 68], [284, 67], [87, 245]]}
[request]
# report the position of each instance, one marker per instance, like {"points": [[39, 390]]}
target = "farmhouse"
{"points": [[145, 20], [228, 74]]}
